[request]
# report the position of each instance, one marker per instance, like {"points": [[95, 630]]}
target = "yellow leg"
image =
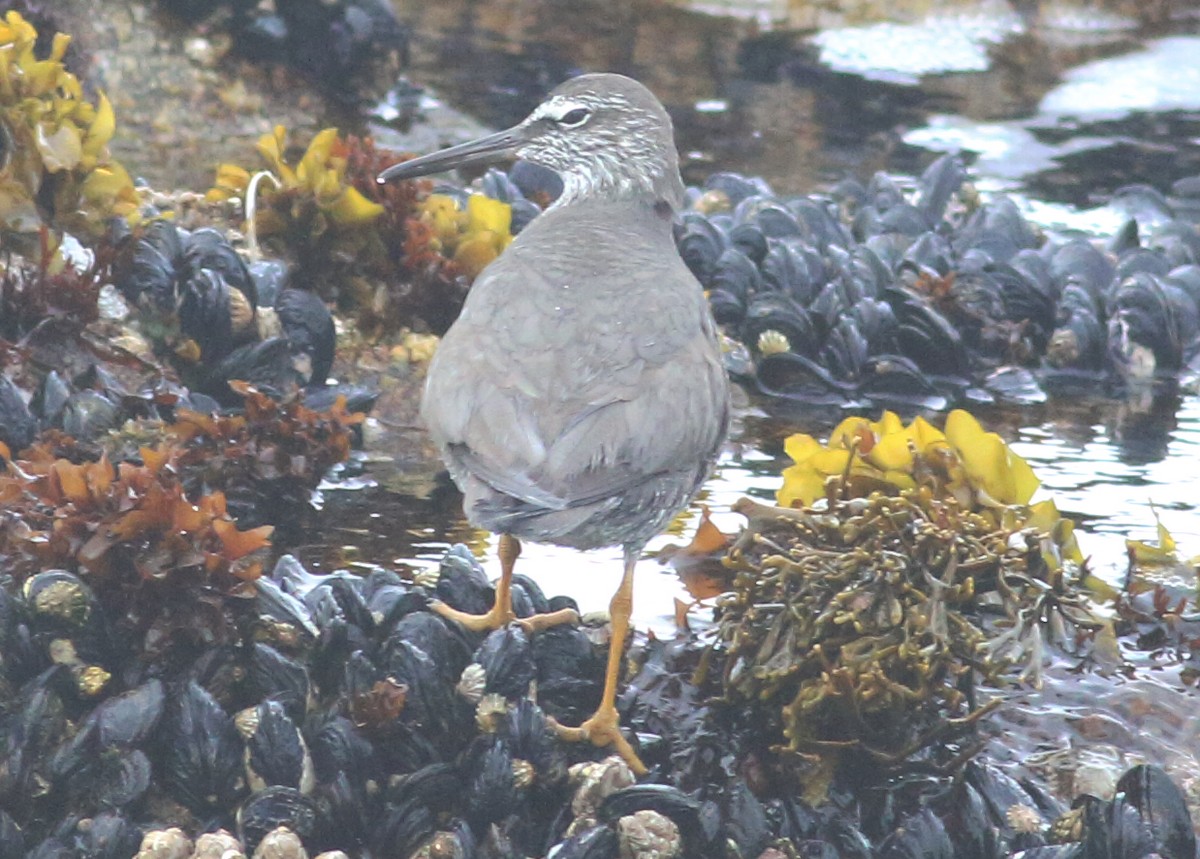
{"points": [[501, 612], [603, 728]]}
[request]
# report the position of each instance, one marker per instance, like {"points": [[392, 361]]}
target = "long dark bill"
{"points": [[495, 147]]}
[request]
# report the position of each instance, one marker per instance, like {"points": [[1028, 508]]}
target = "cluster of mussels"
{"points": [[869, 296], [334, 43], [337, 713]]}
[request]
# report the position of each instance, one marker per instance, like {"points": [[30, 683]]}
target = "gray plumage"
{"points": [[580, 399]]}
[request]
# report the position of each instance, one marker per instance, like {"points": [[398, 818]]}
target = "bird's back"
{"points": [[580, 397]]}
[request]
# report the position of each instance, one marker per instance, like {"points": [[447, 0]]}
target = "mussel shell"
{"points": [[145, 275], [799, 379], [266, 365], [1079, 262], [107, 835], [895, 382], [205, 314], [774, 311], [569, 673], [599, 842], [401, 829], [1162, 808], [683, 810], [201, 762], [272, 807], [12, 839], [276, 754], [18, 427], [129, 719], [462, 583], [48, 400], [209, 249], [492, 794], [701, 244], [938, 184], [507, 661], [273, 675], [919, 836], [270, 279], [308, 326], [87, 415]]}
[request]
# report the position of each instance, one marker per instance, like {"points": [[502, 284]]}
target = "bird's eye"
{"points": [[574, 117]]}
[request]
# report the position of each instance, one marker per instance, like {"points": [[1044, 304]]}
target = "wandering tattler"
{"points": [[580, 399]]}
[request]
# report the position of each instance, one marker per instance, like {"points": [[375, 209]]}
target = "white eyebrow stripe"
{"points": [[556, 108]]}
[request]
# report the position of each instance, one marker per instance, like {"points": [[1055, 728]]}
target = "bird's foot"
{"points": [[538, 622], [494, 618], [498, 617], [602, 729]]}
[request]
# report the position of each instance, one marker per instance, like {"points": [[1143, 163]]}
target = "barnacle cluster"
{"points": [[392, 254], [863, 624], [54, 157]]}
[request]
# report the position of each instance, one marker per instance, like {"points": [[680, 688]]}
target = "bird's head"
{"points": [[606, 135]]}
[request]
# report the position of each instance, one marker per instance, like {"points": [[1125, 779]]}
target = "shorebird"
{"points": [[580, 398]]}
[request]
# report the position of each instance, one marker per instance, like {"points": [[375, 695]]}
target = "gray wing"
{"points": [[559, 398]]}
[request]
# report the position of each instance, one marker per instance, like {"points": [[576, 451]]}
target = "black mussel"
{"points": [[446, 644], [846, 350], [165, 238], [534, 592], [905, 219], [530, 738], [119, 780], [700, 244], [430, 704], [1016, 385], [1140, 261], [145, 275], [506, 660], [276, 753], [778, 312], [569, 673], [275, 676], [37, 725], [273, 807], [534, 180], [129, 720], [697, 831], [267, 365], [966, 822], [87, 415], [206, 314], [493, 793], [308, 327], [998, 229], [401, 829], [1179, 243], [818, 222], [1081, 263], [925, 336], [750, 240], [345, 812], [789, 269], [18, 426], [1125, 240], [283, 611], [930, 256], [1079, 341], [895, 382], [53, 847], [743, 820], [338, 747], [938, 184], [1162, 809], [48, 400], [12, 839], [734, 280], [340, 595], [201, 753], [270, 278], [771, 217], [801, 380], [1144, 336], [209, 249], [919, 836], [599, 842], [736, 187], [108, 835], [462, 583]]}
